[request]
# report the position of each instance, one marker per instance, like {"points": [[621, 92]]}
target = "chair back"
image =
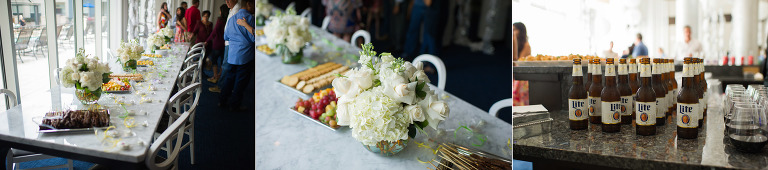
{"points": [[185, 100], [58, 30], [194, 58], [43, 37], [499, 105], [306, 13], [326, 21], [11, 96], [173, 135], [200, 44], [70, 31], [361, 33], [188, 76], [440, 67], [24, 35]]}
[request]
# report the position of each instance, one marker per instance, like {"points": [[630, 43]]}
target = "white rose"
{"points": [[363, 78], [405, 92], [409, 69], [341, 86], [86, 78], [419, 65], [420, 75], [75, 76], [415, 113]]}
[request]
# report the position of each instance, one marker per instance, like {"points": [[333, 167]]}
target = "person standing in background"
{"points": [[426, 12], [689, 47], [522, 48], [234, 6], [216, 42], [661, 53], [203, 28], [162, 17], [317, 13], [181, 25], [344, 15], [398, 24], [609, 52], [640, 48], [241, 54], [193, 17]]}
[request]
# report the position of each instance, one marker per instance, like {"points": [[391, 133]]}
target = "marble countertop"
{"points": [[715, 70], [285, 140], [17, 126], [628, 150]]}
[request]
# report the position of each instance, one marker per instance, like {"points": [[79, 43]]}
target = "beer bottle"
{"points": [[634, 82], [665, 79], [687, 104], [627, 102], [672, 83], [661, 91], [645, 103], [589, 74], [611, 100], [594, 93], [577, 99], [703, 86]]}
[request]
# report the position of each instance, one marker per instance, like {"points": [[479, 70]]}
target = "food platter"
{"points": [[313, 120], [326, 73], [44, 128]]}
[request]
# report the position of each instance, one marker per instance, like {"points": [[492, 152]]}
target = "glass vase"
{"points": [[129, 65], [86, 96], [288, 57], [387, 148]]}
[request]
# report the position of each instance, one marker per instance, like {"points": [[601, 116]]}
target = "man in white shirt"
{"points": [[689, 47], [609, 53]]}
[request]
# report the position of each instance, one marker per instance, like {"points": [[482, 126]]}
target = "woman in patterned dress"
{"points": [[181, 25], [163, 16]]}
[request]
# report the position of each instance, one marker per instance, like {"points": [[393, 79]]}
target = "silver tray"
{"points": [[313, 120], [38, 120]]}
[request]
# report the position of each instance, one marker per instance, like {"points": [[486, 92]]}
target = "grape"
{"points": [[327, 118]]}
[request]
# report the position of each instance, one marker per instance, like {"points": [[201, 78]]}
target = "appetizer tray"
{"points": [[323, 71], [135, 77], [264, 49], [293, 109], [145, 63], [44, 128]]}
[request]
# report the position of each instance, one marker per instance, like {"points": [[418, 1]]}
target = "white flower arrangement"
{"points": [[130, 50], [386, 99], [167, 33], [155, 40], [289, 30], [84, 72], [263, 8]]}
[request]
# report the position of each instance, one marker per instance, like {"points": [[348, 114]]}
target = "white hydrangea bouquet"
{"points": [[128, 53], [288, 33], [166, 33], [155, 41], [86, 74], [386, 100]]}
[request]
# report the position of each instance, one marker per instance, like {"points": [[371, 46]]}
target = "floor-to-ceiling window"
{"points": [[30, 47]]}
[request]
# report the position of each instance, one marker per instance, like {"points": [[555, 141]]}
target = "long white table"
{"points": [[17, 130], [285, 140]]}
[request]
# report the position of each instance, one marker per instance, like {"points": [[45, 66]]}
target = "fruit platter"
{"points": [[117, 85], [152, 55], [265, 49], [133, 76], [145, 63], [321, 108], [313, 79]]}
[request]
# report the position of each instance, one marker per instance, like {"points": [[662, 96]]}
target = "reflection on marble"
{"points": [[285, 140], [17, 125], [628, 150]]}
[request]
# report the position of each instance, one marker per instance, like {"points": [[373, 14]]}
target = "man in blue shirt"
{"points": [[240, 57], [640, 49]]}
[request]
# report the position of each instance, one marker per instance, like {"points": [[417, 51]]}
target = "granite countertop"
{"points": [[628, 150]]}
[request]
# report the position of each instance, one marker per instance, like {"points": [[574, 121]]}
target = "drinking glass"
{"points": [[747, 128]]}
